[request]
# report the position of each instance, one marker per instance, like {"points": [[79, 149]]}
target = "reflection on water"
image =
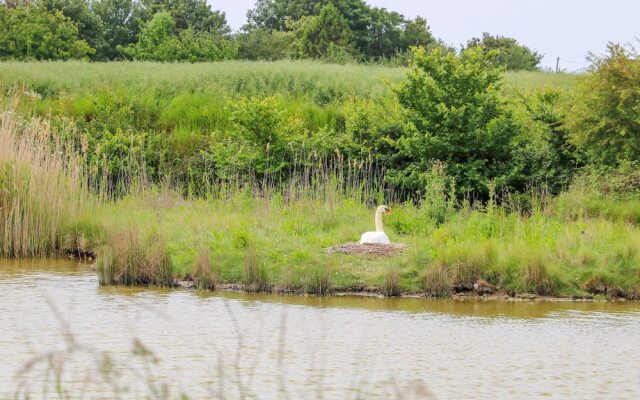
{"points": [[268, 346]]}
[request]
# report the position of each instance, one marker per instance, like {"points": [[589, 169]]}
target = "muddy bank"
{"points": [[377, 292]]}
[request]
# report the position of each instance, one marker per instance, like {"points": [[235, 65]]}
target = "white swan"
{"points": [[378, 236]]}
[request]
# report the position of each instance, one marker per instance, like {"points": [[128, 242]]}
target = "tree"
{"points": [[417, 33], [384, 33], [604, 119], [328, 32], [273, 14], [457, 117], [16, 3], [33, 33], [511, 54], [158, 41], [90, 26], [194, 14], [259, 44], [375, 32], [120, 23]]}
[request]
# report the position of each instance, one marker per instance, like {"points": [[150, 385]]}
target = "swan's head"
{"points": [[384, 209]]}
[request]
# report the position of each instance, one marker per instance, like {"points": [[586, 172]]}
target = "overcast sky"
{"points": [[568, 29]]}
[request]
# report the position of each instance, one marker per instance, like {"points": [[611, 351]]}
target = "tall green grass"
{"points": [[308, 79]]}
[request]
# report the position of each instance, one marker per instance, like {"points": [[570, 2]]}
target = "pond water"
{"points": [[59, 330]]}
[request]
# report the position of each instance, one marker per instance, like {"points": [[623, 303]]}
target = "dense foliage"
{"points": [[605, 122], [185, 30], [510, 54], [373, 33], [457, 118], [190, 30], [32, 33], [158, 41], [197, 125]]}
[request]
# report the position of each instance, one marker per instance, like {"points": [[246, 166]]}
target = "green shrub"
{"points": [[604, 119], [459, 118], [29, 32]]}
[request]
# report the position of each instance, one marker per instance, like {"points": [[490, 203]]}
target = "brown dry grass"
{"points": [[41, 186], [391, 284], [127, 259], [204, 277]]}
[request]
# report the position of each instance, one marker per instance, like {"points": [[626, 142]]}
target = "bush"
{"points": [[31, 32], [158, 41], [458, 118], [511, 54], [604, 119]]}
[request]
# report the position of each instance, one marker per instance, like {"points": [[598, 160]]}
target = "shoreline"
{"points": [[377, 293]]}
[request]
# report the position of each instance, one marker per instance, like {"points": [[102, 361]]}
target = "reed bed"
{"points": [[41, 186]]}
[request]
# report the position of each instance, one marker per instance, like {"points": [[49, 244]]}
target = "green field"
{"points": [[307, 79]]}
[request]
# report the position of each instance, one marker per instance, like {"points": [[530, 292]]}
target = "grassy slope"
{"points": [[294, 78]]}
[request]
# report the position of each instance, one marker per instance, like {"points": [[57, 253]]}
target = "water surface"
{"points": [[56, 321]]}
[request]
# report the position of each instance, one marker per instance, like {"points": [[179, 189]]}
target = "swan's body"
{"points": [[378, 236]]}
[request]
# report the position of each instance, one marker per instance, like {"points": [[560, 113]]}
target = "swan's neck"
{"points": [[379, 227]]}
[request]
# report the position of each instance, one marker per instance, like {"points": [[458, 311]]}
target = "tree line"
{"points": [[190, 30]]}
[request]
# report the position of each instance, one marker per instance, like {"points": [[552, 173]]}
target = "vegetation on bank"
{"points": [[202, 123], [252, 188]]}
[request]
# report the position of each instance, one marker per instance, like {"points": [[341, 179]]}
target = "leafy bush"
{"points": [[458, 118], [511, 54], [33, 33], [158, 41], [604, 119], [545, 155]]}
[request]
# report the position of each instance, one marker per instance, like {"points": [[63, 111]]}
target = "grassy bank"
{"points": [[269, 243], [575, 244]]}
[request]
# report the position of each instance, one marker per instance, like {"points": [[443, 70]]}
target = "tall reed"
{"points": [[41, 185]]}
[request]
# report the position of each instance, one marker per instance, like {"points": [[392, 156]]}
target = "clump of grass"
{"points": [[126, 259], [391, 284], [290, 281], [318, 280], [204, 277], [82, 238], [536, 277], [255, 277], [41, 186], [436, 282]]}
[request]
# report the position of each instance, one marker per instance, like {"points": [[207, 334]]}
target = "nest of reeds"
{"points": [[375, 249]]}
